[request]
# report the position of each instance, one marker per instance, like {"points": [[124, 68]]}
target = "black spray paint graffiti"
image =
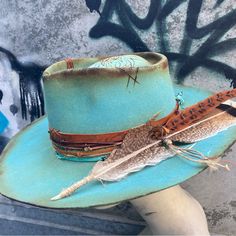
{"points": [[1, 96], [31, 93], [93, 5], [157, 14]]}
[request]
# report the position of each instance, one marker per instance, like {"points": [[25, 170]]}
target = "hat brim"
{"points": [[31, 173]]}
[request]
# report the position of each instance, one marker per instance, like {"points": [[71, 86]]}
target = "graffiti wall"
{"points": [[198, 37]]}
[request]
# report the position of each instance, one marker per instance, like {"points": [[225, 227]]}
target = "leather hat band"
{"points": [[92, 145]]}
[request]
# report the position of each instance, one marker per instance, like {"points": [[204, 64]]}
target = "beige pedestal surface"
{"points": [[172, 211]]}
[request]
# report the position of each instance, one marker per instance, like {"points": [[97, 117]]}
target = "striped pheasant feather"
{"points": [[193, 113]]}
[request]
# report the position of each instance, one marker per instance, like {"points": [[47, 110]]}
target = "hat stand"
{"points": [[172, 211]]}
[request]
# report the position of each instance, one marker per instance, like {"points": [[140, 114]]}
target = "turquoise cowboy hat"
{"points": [[86, 98]]}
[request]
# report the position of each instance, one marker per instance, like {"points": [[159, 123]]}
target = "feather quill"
{"points": [[139, 149]]}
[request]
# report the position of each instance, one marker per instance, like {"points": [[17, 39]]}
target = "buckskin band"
{"points": [[92, 145]]}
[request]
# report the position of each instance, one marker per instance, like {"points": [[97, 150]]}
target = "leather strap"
{"points": [[84, 154], [92, 145]]}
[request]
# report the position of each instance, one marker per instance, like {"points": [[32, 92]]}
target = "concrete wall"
{"points": [[198, 37]]}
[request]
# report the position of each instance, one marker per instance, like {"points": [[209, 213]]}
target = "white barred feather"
{"points": [[139, 150]]}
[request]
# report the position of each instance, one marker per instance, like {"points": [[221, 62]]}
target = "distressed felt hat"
{"points": [[91, 104]]}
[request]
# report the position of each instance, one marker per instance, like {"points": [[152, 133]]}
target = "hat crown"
{"points": [[124, 61], [109, 94]]}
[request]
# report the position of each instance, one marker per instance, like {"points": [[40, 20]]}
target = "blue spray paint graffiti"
{"points": [[3, 122]]}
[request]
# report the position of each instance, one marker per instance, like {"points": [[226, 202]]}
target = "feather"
{"points": [[139, 149], [220, 119], [190, 115], [136, 152]]}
